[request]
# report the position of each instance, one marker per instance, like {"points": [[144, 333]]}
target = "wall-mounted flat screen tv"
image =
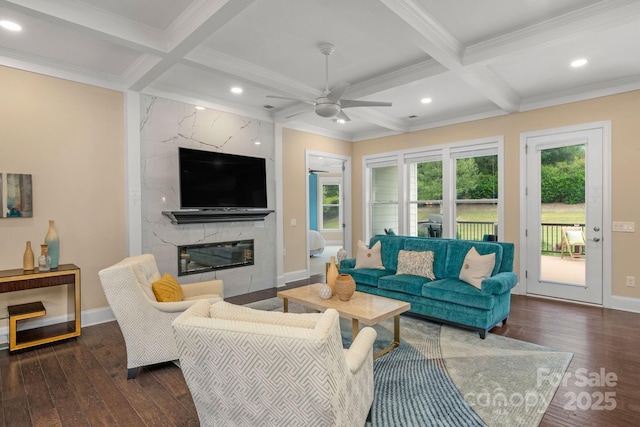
{"points": [[211, 180]]}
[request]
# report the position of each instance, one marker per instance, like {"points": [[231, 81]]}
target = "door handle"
{"points": [[596, 239], [596, 228]]}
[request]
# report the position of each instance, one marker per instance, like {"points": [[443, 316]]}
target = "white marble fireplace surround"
{"points": [[166, 125]]}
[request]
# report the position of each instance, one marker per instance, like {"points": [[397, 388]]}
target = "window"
{"points": [[384, 199], [477, 197], [330, 217], [450, 191], [425, 197]]}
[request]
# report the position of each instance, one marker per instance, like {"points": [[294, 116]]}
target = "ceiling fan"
{"points": [[329, 104], [316, 171]]}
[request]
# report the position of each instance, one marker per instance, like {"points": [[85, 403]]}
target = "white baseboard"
{"points": [[293, 276], [625, 304]]}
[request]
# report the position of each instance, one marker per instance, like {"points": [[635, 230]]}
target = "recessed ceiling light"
{"points": [[426, 100], [579, 63], [257, 142], [341, 121], [199, 107], [236, 90], [11, 26]]}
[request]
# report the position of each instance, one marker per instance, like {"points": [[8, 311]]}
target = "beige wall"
{"points": [[622, 110], [294, 199], [70, 138]]}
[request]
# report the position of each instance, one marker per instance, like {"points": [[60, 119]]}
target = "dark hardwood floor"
{"points": [[82, 381]]}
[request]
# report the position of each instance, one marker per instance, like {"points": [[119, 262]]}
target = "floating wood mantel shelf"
{"points": [[223, 215]]}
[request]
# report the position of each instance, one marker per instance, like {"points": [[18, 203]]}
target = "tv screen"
{"points": [[210, 180]]}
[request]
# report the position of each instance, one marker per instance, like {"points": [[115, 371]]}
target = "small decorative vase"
{"points": [[51, 239], [326, 292], [341, 255], [345, 287], [28, 258], [44, 261], [332, 273]]}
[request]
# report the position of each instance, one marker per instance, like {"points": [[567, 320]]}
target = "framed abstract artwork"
{"points": [[16, 194]]}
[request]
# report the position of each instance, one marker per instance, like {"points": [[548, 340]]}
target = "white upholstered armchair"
{"points": [[146, 323], [249, 367]]}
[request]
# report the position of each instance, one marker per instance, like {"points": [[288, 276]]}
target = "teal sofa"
{"points": [[445, 299]]}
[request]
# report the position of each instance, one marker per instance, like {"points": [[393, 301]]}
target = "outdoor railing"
{"points": [[550, 233], [472, 230], [551, 236]]}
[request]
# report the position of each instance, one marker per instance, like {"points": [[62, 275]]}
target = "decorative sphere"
{"points": [[341, 255], [325, 291]]}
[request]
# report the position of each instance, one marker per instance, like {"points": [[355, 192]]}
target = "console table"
{"points": [[19, 280]]}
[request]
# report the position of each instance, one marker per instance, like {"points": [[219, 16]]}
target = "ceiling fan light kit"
{"points": [[329, 105]]}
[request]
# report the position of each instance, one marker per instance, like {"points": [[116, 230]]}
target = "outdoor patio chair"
{"points": [[573, 242]]}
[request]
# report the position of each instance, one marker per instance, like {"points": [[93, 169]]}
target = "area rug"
{"points": [[446, 376]]}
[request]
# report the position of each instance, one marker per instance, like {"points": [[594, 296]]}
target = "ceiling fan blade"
{"points": [[306, 101], [316, 171], [343, 116], [348, 103], [337, 91], [297, 114]]}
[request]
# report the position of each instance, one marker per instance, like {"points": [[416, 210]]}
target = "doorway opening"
{"points": [[328, 208]]}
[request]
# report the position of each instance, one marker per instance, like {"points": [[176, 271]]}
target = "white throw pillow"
{"points": [[369, 258], [417, 263], [476, 267]]}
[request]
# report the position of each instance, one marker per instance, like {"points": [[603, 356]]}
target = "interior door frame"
{"points": [[346, 194], [605, 129]]}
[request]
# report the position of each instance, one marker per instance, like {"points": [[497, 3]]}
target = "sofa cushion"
{"points": [[457, 250], [404, 283], [437, 246], [391, 245], [366, 276], [458, 292], [477, 267], [416, 263], [369, 257]]}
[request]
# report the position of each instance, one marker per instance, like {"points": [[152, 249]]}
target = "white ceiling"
{"points": [[475, 59]]}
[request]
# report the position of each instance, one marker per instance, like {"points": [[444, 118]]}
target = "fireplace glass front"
{"points": [[205, 257]]}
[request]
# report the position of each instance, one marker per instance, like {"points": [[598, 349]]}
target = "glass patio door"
{"points": [[564, 211]]}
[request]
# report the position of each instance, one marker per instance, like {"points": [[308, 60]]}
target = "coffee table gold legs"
{"points": [[285, 305], [355, 328]]}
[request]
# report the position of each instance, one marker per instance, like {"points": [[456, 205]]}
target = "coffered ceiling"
{"points": [[472, 58]]}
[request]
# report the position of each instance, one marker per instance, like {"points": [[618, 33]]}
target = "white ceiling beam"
{"points": [[208, 59], [596, 17], [94, 22], [438, 43], [406, 75], [378, 118], [214, 16]]}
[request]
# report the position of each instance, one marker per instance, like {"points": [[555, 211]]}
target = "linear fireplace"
{"points": [[205, 257]]}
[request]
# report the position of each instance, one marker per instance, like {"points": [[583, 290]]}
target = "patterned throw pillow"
{"points": [[167, 289], [417, 263], [369, 258], [476, 267]]}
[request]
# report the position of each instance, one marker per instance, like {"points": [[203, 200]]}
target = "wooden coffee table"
{"points": [[362, 307]]}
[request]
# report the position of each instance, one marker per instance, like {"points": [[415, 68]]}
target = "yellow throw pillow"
{"points": [[476, 267], [167, 289]]}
